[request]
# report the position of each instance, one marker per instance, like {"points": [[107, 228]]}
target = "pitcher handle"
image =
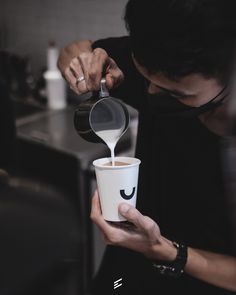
{"points": [[103, 89]]}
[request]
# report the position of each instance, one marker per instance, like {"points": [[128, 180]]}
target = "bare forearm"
{"points": [[212, 268], [216, 269]]}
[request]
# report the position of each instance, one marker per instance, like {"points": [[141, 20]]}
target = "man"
{"points": [[174, 68]]}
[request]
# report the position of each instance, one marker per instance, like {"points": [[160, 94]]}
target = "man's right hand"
{"points": [[80, 60]]}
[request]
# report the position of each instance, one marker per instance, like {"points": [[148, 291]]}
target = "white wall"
{"points": [[26, 26]]}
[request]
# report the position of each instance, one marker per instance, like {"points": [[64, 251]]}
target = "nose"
{"points": [[153, 89]]}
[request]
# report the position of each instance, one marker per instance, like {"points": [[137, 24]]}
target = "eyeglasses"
{"points": [[219, 98]]}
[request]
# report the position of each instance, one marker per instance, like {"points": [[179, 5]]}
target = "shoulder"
{"points": [[113, 44], [118, 48]]}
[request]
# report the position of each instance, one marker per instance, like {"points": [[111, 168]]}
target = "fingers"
{"points": [[142, 222], [94, 71], [92, 66], [139, 238], [114, 76], [71, 80], [102, 65], [76, 68], [132, 214], [111, 234], [96, 215], [74, 72]]}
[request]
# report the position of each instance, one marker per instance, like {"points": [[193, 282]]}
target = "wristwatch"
{"points": [[173, 268]]}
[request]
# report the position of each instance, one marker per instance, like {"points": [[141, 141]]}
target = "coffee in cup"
{"points": [[117, 163]]}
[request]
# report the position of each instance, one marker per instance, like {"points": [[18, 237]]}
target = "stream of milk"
{"points": [[111, 137]]}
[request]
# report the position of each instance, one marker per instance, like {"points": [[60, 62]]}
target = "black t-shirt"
{"points": [[180, 186]]}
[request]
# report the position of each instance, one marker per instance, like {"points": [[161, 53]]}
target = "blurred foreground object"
{"points": [[40, 240]]}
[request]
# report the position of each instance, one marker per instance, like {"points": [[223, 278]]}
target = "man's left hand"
{"points": [[142, 236]]}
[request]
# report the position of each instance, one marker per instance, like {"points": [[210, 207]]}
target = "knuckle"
{"points": [[118, 76], [82, 89], [81, 86], [149, 224], [101, 52], [92, 216], [74, 62], [132, 213], [113, 239], [91, 87], [92, 74], [67, 79], [113, 64], [83, 55], [121, 75], [73, 88], [93, 82]]}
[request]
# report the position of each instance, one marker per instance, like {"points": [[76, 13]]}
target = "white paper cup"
{"points": [[116, 184]]}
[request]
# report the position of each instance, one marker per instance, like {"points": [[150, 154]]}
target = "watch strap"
{"points": [[173, 268]]}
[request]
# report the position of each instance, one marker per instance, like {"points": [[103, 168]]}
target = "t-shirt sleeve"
{"points": [[132, 89]]}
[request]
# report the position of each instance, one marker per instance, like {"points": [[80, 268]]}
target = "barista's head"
{"points": [[176, 38]]}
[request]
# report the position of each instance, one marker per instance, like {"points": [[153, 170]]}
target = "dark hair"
{"points": [[180, 37]]}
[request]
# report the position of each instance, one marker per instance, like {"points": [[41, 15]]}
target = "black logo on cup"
{"points": [[127, 197]]}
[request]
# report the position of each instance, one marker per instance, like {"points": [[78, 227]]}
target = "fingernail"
{"points": [[124, 208]]}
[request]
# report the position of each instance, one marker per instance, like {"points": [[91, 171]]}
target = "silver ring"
{"points": [[80, 79]]}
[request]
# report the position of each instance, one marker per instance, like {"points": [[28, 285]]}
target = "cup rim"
{"points": [[131, 162]]}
